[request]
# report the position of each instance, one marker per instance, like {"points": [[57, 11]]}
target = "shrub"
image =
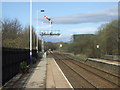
{"points": [[34, 60], [23, 66]]}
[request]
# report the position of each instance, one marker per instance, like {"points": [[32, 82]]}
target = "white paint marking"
{"points": [[104, 61], [64, 76]]}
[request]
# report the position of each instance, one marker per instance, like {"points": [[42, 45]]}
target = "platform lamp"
{"points": [[98, 46], [30, 32], [60, 47]]}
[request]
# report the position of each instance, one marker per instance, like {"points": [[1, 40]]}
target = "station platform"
{"points": [[55, 77], [47, 74], [105, 61], [37, 79]]}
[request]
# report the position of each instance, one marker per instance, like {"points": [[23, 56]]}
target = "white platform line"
{"points": [[105, 61], [64, 76]]}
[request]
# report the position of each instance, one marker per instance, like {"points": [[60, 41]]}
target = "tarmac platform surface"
{"points": [[55, 77], [37, 79], [47, 74]]}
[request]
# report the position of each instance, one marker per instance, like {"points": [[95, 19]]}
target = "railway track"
{"points": [[110, 77], [74, 78], [95, 77]]}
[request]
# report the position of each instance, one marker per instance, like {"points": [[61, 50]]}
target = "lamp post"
{"points": [[98, 46], [30, 32], [60, 47]]}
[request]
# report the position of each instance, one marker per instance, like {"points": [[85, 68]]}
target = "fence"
{"points": [[11, 59]]}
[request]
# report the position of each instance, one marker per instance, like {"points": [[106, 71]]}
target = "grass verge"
{"points": [[80, 57]]}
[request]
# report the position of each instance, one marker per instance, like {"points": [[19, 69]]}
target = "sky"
{"points": [[68, 17]]}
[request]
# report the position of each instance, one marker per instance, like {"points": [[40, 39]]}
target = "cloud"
{"points": [[68, 37], [62, 37], [89, 17], [97, 17], [84, 30]]}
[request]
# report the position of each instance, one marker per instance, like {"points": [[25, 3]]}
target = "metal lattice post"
{"points": [[42, 11], [42, 46], [43, 33]]}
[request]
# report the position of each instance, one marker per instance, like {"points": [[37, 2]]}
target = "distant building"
{"points": [[77, 37]]}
